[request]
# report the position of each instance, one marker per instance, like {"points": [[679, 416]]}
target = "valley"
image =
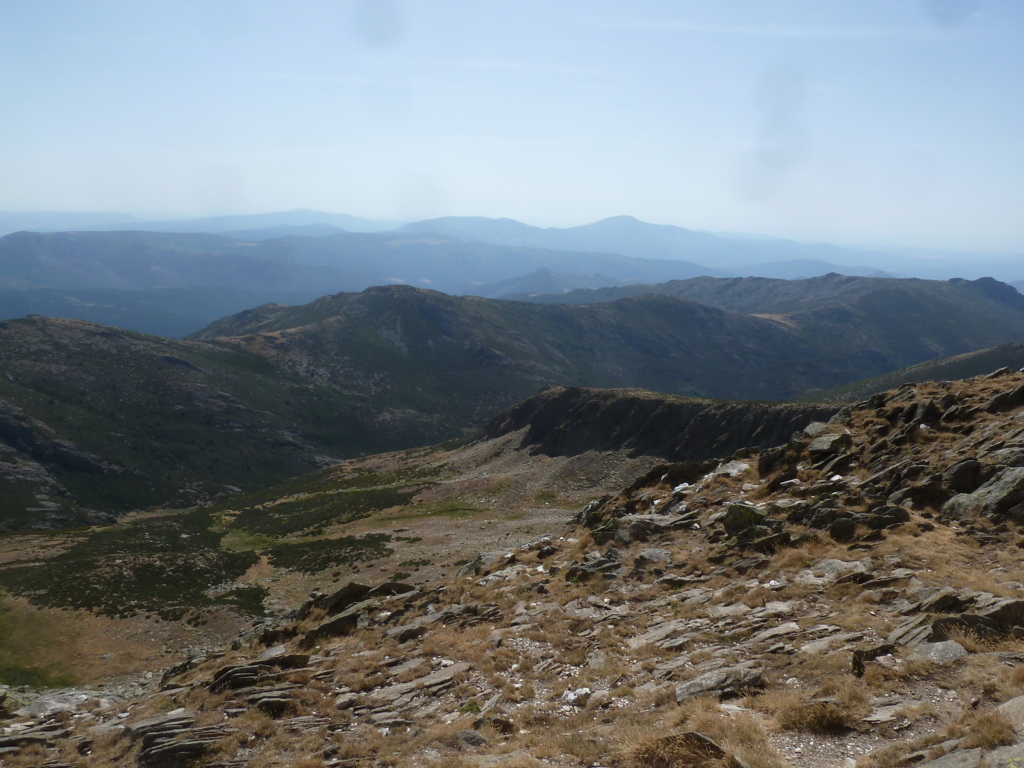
{"points": [[97, 421]]}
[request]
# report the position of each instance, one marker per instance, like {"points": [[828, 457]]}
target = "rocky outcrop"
{"points": [[35, 439], [566, 422], [813, 593], [1002, 495]]}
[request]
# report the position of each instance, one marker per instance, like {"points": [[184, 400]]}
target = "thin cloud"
{"points": [[526, 66], [780, 31], [362, 80]]}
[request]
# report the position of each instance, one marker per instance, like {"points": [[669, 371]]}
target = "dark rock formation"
{"points": [[567, 422]]}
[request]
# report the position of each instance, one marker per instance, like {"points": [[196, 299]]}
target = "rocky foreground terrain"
{"points": [[854, 597]]}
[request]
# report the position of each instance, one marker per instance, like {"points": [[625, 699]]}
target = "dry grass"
{"points": [[985, 728], [737, 734], [838, 706], [892, 677], [985, 676], [894, 755], [677, 750], [974, 642]]}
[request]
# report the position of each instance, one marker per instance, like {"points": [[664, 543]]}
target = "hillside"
{"points": [[101, 421], [384, 515], [963, 366], [759, 295], [96, 421], [173, 312], [474, 353], [848, 598]]}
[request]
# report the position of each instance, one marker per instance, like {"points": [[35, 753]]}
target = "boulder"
{"points": [[843, 530], [1006, 401], [342, 624], [963, 477], [728, 681], [815, 429], [650, 556], [1013, 710], [827, 445], [740, 517], [942, 653], [999, 496], [471, 738], [1008, 457], [888, 516]]}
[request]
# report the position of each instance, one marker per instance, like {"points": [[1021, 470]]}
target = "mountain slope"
{"points": [[97, 420], [173, 312], [967, 365], [100, 419], [474, 354], [540, 282], [760, 295], [848, 599]]}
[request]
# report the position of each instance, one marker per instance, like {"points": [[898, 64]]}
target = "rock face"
{"points": [[571, 421]]}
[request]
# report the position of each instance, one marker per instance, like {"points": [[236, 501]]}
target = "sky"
{"points": [[864, 122]]}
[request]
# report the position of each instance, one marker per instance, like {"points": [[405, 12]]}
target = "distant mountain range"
{"points": [[632, 237], [12, 221], [278, 269], [294, 256], [741, 256]]}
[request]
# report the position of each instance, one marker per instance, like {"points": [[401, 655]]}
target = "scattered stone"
{"points": [[729, 681], [828, 445], [471, 738], [576, 698], [502, 725], [652, 556], [843, 530], [860, 657], [944, 652], [741, 517]]}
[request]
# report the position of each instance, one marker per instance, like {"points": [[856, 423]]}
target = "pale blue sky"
{"points": [[895, 122]]}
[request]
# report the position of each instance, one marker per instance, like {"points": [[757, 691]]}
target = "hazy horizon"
{"points": [[869, 124]]}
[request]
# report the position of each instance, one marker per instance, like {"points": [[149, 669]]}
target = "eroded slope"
{"points": [[854, 596]]}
